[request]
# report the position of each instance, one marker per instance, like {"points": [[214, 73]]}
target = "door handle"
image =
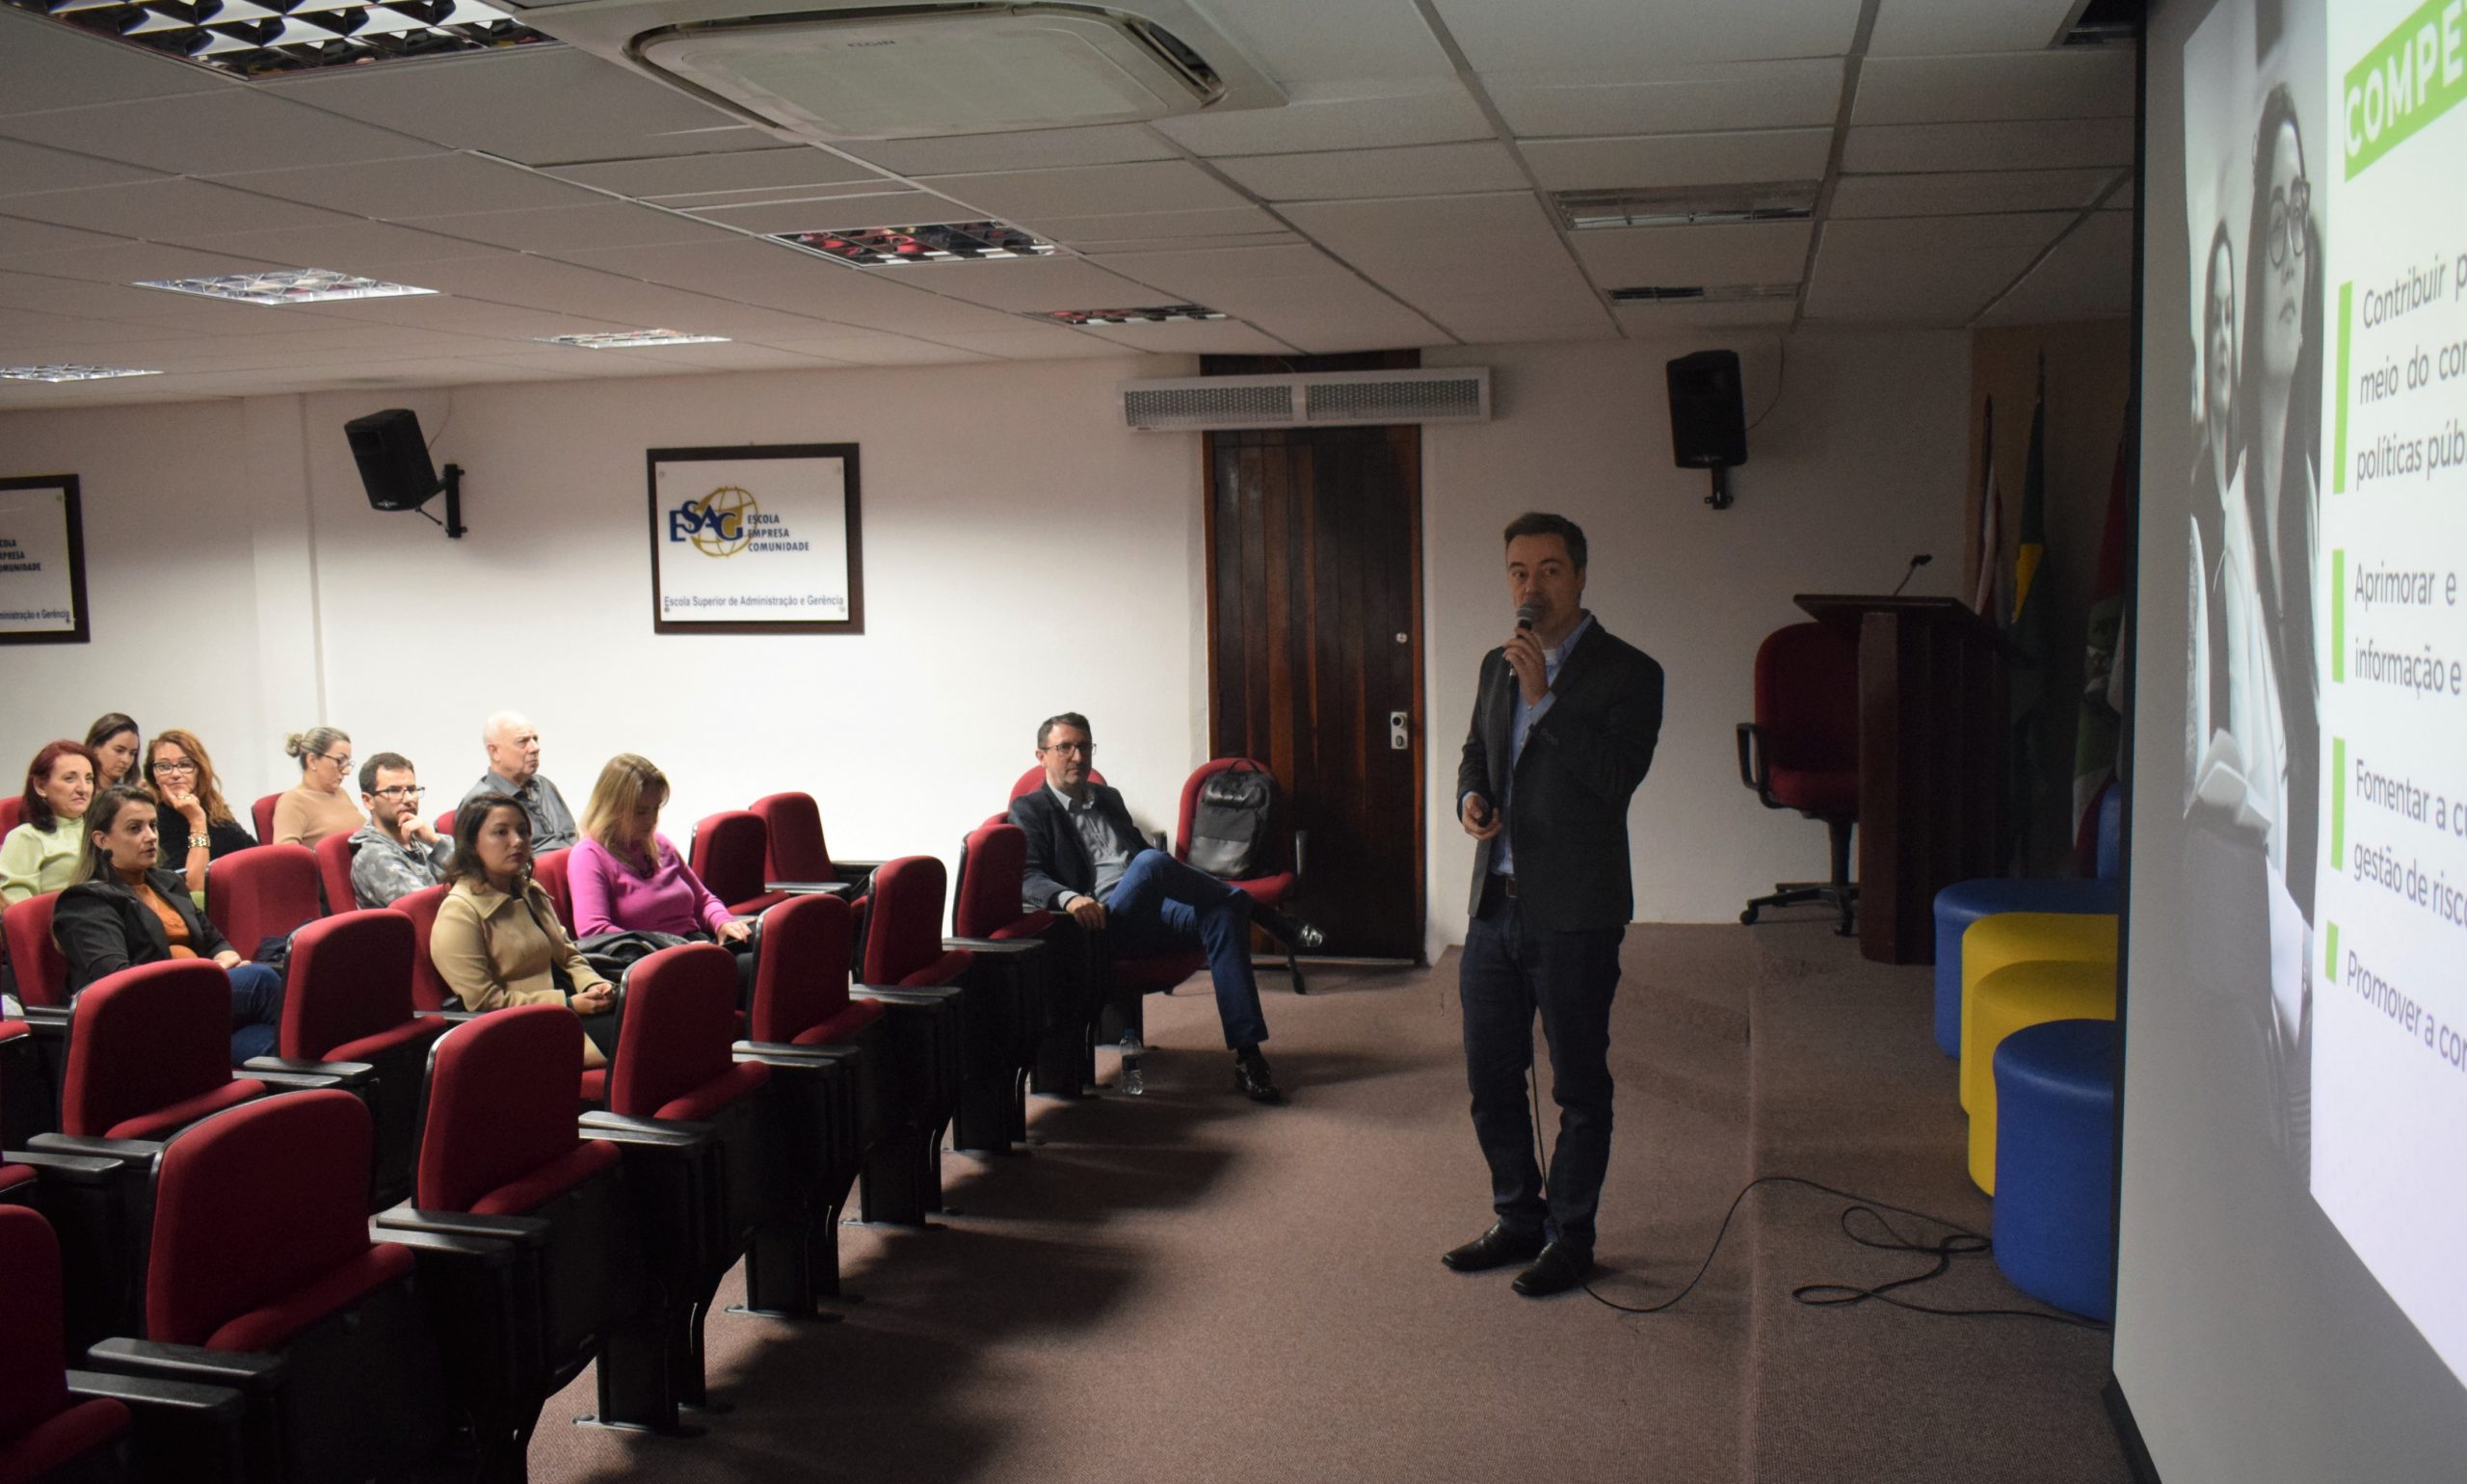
{"points": [[1399, 739]]}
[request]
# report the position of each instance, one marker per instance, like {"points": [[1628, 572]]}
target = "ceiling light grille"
{"points": [[1326, 399], [267, 37], [629, 339], [932, 242], [1725, 293], [288, 285], [1792, 200], [1152, 314], [67, 373]]}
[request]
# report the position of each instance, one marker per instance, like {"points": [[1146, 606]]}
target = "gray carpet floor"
{"points": [[1185, 1287]]}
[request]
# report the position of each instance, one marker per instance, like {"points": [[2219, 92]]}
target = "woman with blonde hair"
{"points": [[320, 806], [182, 777], [627, 877]]}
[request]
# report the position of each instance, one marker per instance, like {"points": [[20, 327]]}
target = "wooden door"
{"points": [[1315, 643]]}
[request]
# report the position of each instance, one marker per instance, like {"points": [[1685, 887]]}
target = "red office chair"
{"points": [[1132, 979], [444, 823], [429, 992], [12, 811], [47, 1430], [554, 872], [830, 1084], [1272, 881], [262, 1276], [501, 1156], [793, 851], [727, 854], [348, 998], [252, 895], [334, 874], [262, 812], [1802, 752], [673, 1065], [42, 974]]}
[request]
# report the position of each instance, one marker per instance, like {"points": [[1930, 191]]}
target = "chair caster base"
{"points": [[786, 1315], [678, 1430]]}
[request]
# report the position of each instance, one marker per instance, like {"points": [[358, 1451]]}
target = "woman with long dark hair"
{"points": [[115, 740], [498, 941], [197, 821]]}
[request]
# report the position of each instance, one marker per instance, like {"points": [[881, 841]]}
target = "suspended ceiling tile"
{"points": [[153, 207], [1725, 253], [2090, 276], [1180, 244], [464, 315], [1967, 192], [1114, 144], [2032, 145], [2087, 82], [1198, 226], [877, 196], [1026, 197], [1794, 93], [845, 214], [1413, 169], [559, 228], [1525, 333], [494, 100], [883, 350], [27, 168], [433, 185], [346, 247], [46, 65], [1679, 159], [1205, 271], [137, 262], [1587, 35], [1035, 285], [1435, 113], [1031, 342], [1930, 28], [705, 175], [210, 134], [1447, 226], [1937, 271], [1333, 314], [1190, 337], [1651, 321], [19, 235], [1305, 43]]}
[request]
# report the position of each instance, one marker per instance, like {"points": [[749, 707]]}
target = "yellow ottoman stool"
{"points": [[2007, 1000], [2021, 938]]}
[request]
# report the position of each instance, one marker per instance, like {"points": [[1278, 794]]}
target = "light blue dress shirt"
{"points": [[1520, 725]]}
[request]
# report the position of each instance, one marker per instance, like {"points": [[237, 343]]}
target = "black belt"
{"points": [[1504, 883]]}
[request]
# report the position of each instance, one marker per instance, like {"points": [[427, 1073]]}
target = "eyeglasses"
{"points": [[1082, 748], [181, 766], [2291, 212], [401, 791], [343, 762]]}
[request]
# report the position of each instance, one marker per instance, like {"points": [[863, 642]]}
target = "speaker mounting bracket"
{"points": [[1719, 499], [452, 484]]}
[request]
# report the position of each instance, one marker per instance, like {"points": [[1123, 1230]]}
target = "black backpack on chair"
{"points": [[1229, 823]]}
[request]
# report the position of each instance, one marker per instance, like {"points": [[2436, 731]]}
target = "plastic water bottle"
{"points": [[1134, 1083]]}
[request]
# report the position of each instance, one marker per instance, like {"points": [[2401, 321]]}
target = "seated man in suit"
{"points": [[1087, 858]]}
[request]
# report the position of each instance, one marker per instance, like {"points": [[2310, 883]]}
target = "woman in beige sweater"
{"points": [[320, 806], [498, 941]]}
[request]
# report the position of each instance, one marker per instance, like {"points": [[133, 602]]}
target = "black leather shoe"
{"points": [[1252, 1077], [1495, 1248], [1559, 1268], [1295, 934]]}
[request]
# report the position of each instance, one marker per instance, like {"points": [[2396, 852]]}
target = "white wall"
{"points": [[1023, 554]]}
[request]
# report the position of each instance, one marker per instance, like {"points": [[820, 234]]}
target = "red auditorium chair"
{"points": [[1802, 752], [929, 1038], [262, 1276], [429, 992], [444, 823], [40, 1055], [47, 1430], [12, 811], [675, 1068], [794, 855], [825, 1051], [334, 874], [262, 812], [502, 1158], [42, 974], [1052, 997], [252, 895], [1130, 980], [348, 999], [553, 871], [727, 854], [1268, 888], [25, 1085]]}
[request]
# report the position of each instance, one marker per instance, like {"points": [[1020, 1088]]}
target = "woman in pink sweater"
{"points": [[626, 876]]}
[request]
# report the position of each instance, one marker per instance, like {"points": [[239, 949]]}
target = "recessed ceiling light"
{"points": [[252, 40], [1153, 314], [1726, 293], [933, 242], [1686, 205], [288, 285], [622, 339], [66, 373]]}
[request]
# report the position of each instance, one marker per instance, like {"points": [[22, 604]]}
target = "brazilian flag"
{"points": [[2027, 784]]}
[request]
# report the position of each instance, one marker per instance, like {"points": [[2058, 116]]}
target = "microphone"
{"points": [[1526, 614], [1917, 562]]}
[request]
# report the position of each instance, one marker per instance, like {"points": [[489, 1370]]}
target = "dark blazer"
{"points": [[1058, 860], [1582, 761], [102, 928]]}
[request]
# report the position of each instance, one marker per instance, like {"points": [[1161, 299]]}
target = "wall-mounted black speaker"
{"points": [[1707, 418], [393, 460]]}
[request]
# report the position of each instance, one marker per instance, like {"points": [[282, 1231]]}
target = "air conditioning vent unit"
{"points": [[1332, 399], [831, 70]]}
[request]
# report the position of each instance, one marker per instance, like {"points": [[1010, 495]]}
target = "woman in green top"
{"points": [[41, 853]]}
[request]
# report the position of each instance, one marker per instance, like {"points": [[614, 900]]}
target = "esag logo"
{"points": [[719, 524]]}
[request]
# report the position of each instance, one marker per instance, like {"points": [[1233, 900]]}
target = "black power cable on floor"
{"points": [[1959, 1242]]}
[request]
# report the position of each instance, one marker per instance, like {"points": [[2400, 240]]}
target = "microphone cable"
{"points": [[1960, 1241]]}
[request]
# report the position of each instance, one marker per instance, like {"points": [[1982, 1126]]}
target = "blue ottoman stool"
{"points": [[1965, 902], [2056, 1178]]}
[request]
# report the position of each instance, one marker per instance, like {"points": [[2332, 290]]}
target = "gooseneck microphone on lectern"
{"points": [[1917, 562], [1526, 614]]}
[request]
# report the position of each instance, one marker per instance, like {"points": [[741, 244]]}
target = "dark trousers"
{"points": [[1163, 906], [256, 1011], [1511, 971]]}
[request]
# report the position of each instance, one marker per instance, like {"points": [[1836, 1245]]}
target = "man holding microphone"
{"points": [[1565, 718]]}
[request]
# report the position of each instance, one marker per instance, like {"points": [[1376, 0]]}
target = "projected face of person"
{"points": [[2218, 348], [2280, 316]]}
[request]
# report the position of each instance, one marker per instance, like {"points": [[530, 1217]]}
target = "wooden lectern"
{"points": [[1933, 742]]}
